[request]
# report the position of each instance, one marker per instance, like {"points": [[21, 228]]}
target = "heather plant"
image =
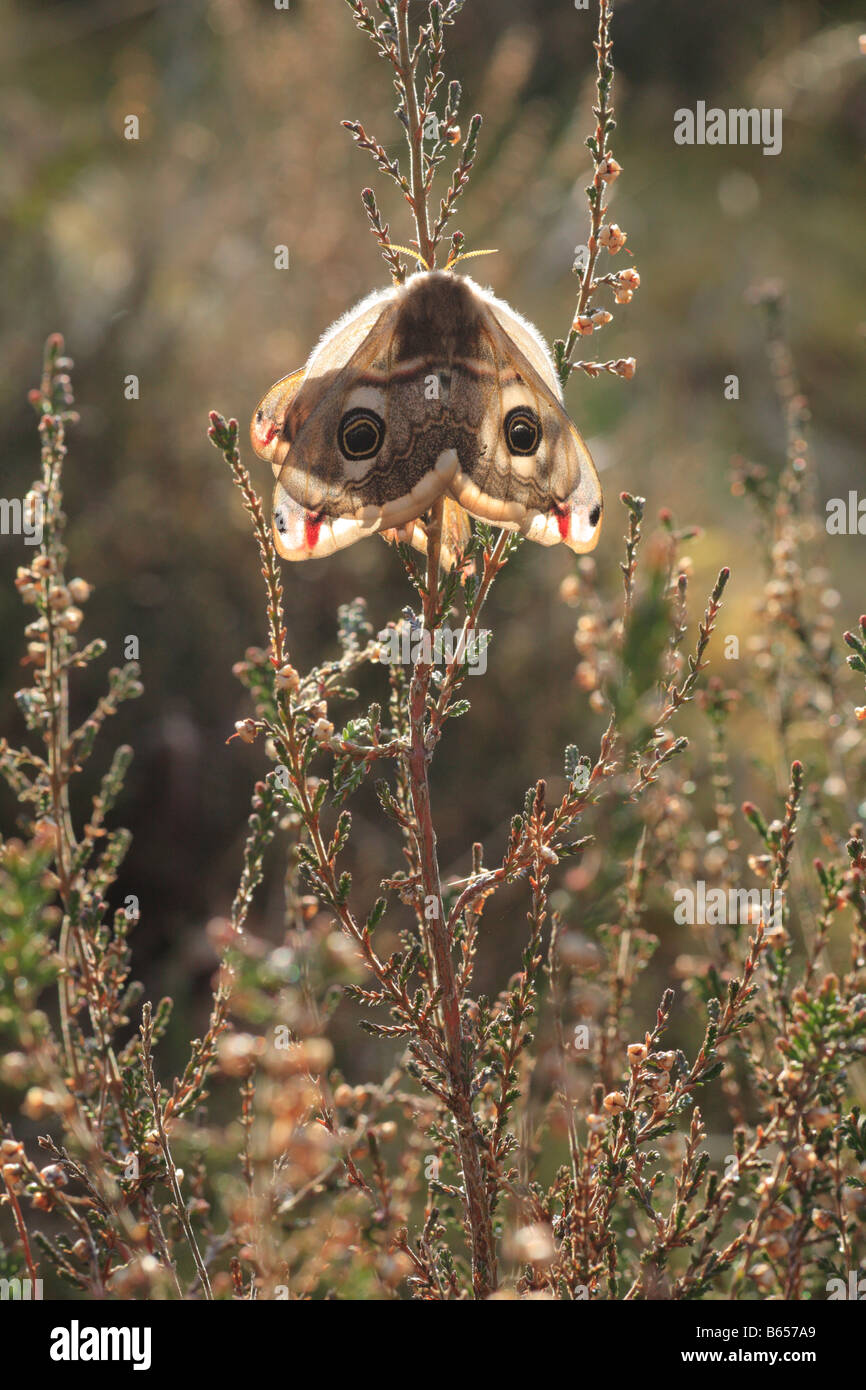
{"points": [[571, 1137]]}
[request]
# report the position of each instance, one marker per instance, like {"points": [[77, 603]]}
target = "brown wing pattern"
{"points": [[431, 388], [547, 489]]}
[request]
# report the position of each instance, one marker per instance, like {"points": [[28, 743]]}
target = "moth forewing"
{"points": [[275, 422], [525, 335], [267, 427]]}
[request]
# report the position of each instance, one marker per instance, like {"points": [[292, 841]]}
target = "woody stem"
{"points": [[603, 112], [478, 1214], [415, 136]]}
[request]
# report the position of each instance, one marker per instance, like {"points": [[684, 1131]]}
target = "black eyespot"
{"points": [[595, 515], [522, 430], [361, 434]]}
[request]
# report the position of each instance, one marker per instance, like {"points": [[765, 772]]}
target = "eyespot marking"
{"points": [[522, 431], [361, 433]]}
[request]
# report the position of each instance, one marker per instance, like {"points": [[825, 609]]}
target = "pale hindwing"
{"points": [[550, 492], [303, 535], [456, 533]]}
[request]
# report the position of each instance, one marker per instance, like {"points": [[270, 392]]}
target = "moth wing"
{"points": [[280, 414], [300, 534], [527, 338], [302, 530], [267, 424], [456, 534], [409, 464], [550, 493]]}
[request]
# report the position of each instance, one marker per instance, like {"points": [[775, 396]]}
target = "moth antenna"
{"points": [[407, 251], [467, 256]]}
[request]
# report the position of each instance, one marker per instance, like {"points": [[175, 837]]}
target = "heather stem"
{"points": [[477, 1201], [415, 135]]}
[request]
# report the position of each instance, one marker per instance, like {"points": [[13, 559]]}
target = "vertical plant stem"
{"points": [[161, 1242], [22, 1231], [53, 434], [178, 1203], [415, 136], [603, 113], [476, 1195]]}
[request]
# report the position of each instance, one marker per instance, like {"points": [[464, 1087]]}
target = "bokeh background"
{"points": [[156, 258]]}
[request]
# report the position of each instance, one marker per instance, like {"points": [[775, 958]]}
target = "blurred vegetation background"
{"points": [[156, 257]]}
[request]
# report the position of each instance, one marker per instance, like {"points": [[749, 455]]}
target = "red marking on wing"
{"points": [[563, 517], [312, 527], [265, 432]]}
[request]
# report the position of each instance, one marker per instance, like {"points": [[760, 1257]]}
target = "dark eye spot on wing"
{"points": [[361, 434], [595, 515], [522, 431]]}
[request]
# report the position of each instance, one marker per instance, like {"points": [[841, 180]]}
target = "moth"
{"points": [[431, 389]]}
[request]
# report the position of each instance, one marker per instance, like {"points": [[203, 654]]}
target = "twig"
{"points": [[477, 1201], [178, 1203]]}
